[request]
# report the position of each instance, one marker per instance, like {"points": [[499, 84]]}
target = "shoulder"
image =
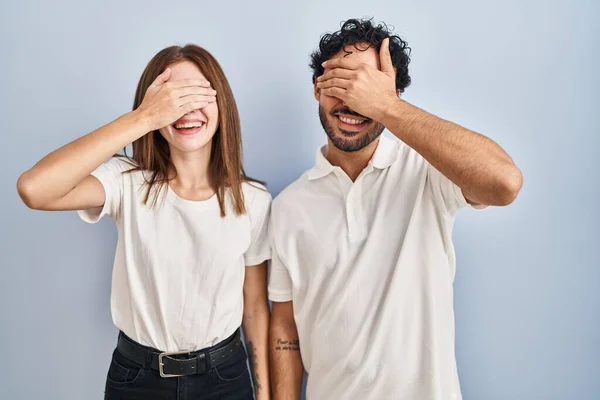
{"points": [[120, 163], [294, 194], [117, 167], [399, 151], [257, 197], [122, 173], [407, 160], [114, 169], [255, 191]]}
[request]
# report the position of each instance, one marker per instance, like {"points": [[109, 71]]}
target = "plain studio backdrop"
{"points": [[525, 73]]}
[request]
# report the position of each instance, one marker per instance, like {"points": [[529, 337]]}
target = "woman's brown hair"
{"points": [[151, 151]]}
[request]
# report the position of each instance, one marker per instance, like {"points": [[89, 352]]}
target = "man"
{"points": [[363, 262]]}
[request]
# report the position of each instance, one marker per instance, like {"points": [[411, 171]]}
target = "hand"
{"points": [[365, 89], [166, 102]]}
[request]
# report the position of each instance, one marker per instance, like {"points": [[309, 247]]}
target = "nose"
{"points": [[191, 113]]}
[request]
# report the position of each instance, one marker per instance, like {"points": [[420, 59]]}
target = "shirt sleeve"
{"points": [[259, 211], [447, 195], [280, 283], [110, 175]]}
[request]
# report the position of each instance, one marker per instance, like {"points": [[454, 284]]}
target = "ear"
{"points": [[317, 92]]}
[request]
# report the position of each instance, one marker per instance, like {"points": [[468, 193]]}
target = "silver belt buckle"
{"points": [[161, 364]]}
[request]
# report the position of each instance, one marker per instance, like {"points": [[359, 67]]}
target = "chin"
{"points": [[189, 143], [349, 141], [188, 147], [345, 144]]}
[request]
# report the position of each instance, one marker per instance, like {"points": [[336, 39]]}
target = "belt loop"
{"points": [[148, 363], [207, 360]]}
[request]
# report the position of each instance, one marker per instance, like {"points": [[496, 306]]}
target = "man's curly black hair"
{"points": [[355, 31]]}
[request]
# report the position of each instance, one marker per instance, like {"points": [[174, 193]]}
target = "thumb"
{"points": [[385, 59], [162, 78]]}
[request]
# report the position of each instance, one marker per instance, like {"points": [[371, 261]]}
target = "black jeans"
{"points": [[127, 380]]}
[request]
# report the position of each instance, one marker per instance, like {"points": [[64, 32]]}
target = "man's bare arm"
{"points": [[287, 370]]}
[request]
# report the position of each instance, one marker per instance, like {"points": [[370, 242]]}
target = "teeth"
{"points": [[189, 125], [350, 120]]}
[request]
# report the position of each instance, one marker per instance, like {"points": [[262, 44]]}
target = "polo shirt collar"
{"points": [[384, 156]]}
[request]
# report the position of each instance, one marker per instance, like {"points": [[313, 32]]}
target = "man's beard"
{"points": [[341, 141]]}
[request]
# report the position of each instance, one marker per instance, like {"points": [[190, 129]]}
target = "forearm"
{"points": [[256, 332], [485, 173], [59, 172], [287, 370]]}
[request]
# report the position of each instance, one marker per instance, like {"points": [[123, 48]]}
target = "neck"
{"points": [[352, 163], [191, 180]]}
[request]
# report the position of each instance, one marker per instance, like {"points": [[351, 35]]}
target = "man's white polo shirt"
{"points": [[369, 266]]}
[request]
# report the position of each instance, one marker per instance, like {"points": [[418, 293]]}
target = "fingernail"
{"points": [[324, 63]]}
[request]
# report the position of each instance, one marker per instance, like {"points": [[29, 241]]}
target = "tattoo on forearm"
{"points": [[287, 345], [253, 366]]}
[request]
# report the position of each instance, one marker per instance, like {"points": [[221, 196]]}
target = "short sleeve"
{"points": [[280, 283], [259, 210], [110, 175], [448, 195]]}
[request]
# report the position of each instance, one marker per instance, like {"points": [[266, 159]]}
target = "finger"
{"points": [[334, 82], [385, 59], [190, 82], [337, 73], [190, 90], [197, 105], [162, 78], [342, 62], [334, 92], [194, 98]]}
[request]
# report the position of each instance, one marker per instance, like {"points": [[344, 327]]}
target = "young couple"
{"points": [[362, 261]]}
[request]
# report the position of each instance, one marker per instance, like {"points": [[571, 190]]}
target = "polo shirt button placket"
{"points": [[351, 210]]}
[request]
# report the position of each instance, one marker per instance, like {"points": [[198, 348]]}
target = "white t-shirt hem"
{"points": [[460, 197], [280, 297], [95, 214], [462, 200], [255, 260]]}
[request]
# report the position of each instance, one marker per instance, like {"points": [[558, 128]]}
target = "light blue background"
{"points": [[524, 73]]}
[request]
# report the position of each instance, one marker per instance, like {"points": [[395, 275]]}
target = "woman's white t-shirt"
{"points": [[179, 267]]}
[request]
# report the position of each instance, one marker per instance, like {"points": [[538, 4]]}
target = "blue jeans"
{"points": [[127, 380]]}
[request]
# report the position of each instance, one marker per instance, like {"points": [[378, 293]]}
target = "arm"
{"points": [[256, 327], [62, 180], [484, 172], [287, 370]]}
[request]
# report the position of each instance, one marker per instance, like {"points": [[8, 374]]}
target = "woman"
{"points": [[189, 221]]}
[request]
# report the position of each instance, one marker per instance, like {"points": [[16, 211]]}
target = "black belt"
{"points": [[179, 363]]}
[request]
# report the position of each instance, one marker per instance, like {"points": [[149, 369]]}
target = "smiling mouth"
{"points": [[189, 128], [352, 122]]}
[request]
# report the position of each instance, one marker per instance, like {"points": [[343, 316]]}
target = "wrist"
{"points": [[393, 111], [142, 120]]}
